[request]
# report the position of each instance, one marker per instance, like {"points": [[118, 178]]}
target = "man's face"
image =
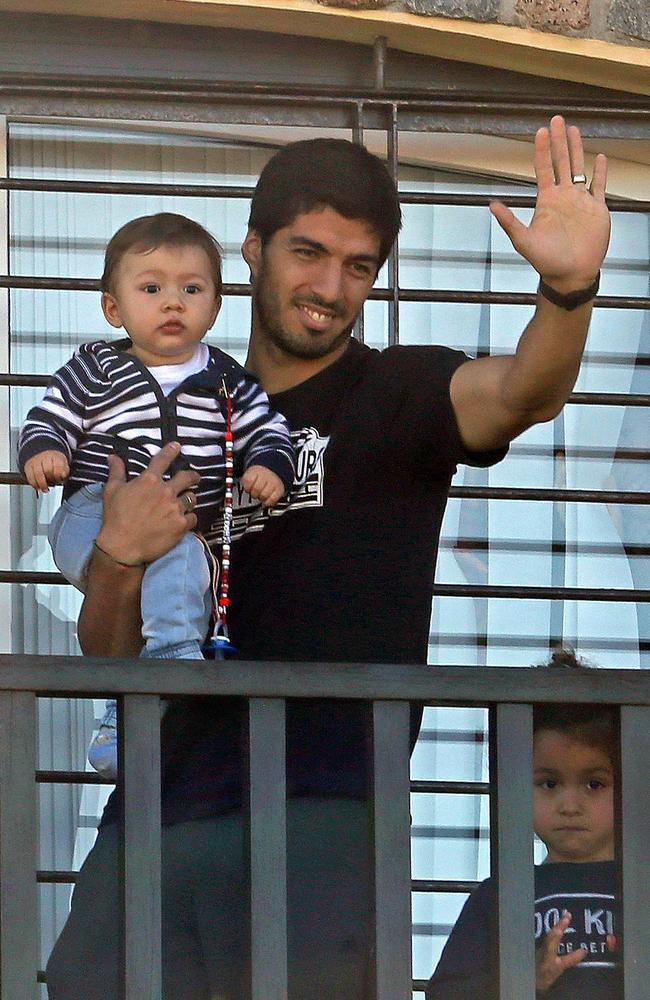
{"points": [[310, 281], [573, 798]]}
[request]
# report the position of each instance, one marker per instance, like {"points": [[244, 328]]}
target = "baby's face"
{"points": [[166, 301], [573, 798]]}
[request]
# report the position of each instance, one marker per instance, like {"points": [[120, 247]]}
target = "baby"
{"points": [[162, 284]]}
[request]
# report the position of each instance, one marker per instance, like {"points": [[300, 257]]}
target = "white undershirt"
{"points": [[171, 376]]}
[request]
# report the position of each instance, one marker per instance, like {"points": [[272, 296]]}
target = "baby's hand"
{"points": [[48, 468], [262, 484], [550, 965]]}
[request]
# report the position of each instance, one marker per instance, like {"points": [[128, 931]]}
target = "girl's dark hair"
{"points": [[326, 173], [149, 232], [595, 725]]}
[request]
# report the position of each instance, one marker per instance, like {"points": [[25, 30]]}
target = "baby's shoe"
{"points": [[102, 752]]}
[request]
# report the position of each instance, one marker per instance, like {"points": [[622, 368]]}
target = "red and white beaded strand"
{"points": [[220, 573], [224, 582]]}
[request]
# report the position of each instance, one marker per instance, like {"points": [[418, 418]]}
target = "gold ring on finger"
{"points": [[189, 501]]}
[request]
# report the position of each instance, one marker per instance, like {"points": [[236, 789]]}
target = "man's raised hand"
{"points": [[568, 235]]}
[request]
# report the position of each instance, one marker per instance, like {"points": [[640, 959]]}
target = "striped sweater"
{"points": [[105, 400]]}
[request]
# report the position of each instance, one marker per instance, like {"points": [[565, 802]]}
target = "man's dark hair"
{"points": [[326, 173], [148, 232], [594, 725]]}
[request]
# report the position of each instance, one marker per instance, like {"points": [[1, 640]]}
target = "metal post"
{"points": [[268, 849], [511, 738], [393, 257], [19, 937], [140, 763], [392, 850], [635, 808], [379, 52]]}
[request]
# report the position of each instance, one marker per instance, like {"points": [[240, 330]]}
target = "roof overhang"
{"points": [[580, 60]]}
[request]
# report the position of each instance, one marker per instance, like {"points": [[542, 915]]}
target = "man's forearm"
{"points": [[546, 363], [110, 623]]}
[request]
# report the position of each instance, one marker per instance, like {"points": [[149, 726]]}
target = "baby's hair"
{"points": [[595, 725], [148, 232]]}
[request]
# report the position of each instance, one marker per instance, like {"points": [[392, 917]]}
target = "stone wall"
{"points": [[622, 21]]}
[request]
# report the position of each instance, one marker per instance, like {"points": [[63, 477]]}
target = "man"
{"points": [[341, 572]]}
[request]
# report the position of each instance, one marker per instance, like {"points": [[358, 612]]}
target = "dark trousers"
{"points": [[205, 929]]}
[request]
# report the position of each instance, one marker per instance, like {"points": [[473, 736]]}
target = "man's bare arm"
{"points": [[495, 399], [143, 519]]}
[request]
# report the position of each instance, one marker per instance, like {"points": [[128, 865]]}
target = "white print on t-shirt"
{"points": [[307, 489], [592, 920]]}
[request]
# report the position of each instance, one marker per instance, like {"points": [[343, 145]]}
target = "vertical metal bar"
{"points": [[635, 809], [392, 820], [393, 257], [357, 136], [5, 421], [512, 848], [268, 848], [19, 923], [140, 769], [379, 50]]}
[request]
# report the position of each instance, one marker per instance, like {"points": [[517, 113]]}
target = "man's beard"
{"points": [[304, 346]]}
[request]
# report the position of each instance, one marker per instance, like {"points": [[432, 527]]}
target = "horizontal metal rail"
{"points": [[53, 185], [615, 594], [442, 885], [164, 89], [73, 676], [451, 787], [485, 493], [35, 283], [583, 398]]}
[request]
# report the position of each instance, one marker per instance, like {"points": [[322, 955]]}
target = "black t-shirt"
{"points": [[341, 571], [466, 970]]}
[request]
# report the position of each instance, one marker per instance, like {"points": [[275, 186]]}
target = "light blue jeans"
{"points": [[176, 601]]}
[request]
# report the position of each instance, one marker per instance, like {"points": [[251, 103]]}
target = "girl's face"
{"points": [[573, 798]]}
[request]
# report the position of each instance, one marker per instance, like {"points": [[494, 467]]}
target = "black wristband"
{"points": [[571, 300]]}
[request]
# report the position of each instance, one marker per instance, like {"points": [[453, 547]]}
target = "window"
{"points": [[487, 541]]}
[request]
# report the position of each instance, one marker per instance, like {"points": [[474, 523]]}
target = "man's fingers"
{"points": [[183, 481], [543, 163], [599, 178], [576, 151], [560, 150], [116, 470], [160, 463], [509, 222]]}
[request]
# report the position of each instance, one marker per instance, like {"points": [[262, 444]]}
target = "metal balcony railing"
{"points": [[508, 693]]}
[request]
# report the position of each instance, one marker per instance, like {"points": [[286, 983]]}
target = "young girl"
{"points": [[575, 751]]}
